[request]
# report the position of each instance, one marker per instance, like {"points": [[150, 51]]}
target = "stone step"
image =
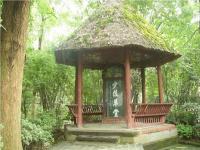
{"points": [[92, 138], [103, 132]]}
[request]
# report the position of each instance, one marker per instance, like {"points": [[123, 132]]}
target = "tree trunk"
{"points": [[41, 34], [33, 106], [15, 16]]}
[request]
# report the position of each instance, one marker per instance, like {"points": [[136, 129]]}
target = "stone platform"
{"points": [[149, 136]]}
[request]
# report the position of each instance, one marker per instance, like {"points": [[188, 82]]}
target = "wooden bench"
{"points": [[150, 113]]}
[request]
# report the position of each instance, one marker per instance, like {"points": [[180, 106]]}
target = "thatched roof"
{"points": [[110, 30]]}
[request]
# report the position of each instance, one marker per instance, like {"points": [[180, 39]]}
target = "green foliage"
{"points": [[194, 109], [151, 85], [186, 118], [35, 134], [46, 90], [47, 120], [92, 87], [186, 114], [185, 131], [40, 132], [196, 131], [188, 131], [42, 17], [44, 7], [136, 83], [175, 22], [47, 80]]}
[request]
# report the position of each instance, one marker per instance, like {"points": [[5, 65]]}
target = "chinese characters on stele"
{"points": [[115, 96]]}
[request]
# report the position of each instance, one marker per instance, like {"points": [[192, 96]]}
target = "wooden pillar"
{"points": [[143, 85], [127, 86], [76, 75], [104, 94], [160, 85], [78, 96]]}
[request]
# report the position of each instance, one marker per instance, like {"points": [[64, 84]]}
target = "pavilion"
{"points": [[115, 39]]}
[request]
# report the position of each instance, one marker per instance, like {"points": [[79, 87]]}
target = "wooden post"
{"points": [[127, 85], [78, 82], [143, 85], [160, 85], [76, 87], [104, 94]]}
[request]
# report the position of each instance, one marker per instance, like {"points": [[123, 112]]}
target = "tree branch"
{"points": [[190, 37]]}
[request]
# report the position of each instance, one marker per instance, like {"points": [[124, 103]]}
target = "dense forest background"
{"points": [[49, 87]]}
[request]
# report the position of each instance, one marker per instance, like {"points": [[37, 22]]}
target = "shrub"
{"points": [[196, 131], [185, 131], [47, 120], [192, 108], [188, 113], [171, 118], [33, 134], [184, 117]]}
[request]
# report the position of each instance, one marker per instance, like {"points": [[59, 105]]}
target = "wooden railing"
{"points": [[91, 113], [92, 109], [87, 109], [141, 113], [150, 113]]}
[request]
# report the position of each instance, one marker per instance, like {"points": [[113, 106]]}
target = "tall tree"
{"points": [[14, 16]]}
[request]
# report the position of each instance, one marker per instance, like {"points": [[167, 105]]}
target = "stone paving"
{"points": [[181, 147], [95, 146], [107, 146]]}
